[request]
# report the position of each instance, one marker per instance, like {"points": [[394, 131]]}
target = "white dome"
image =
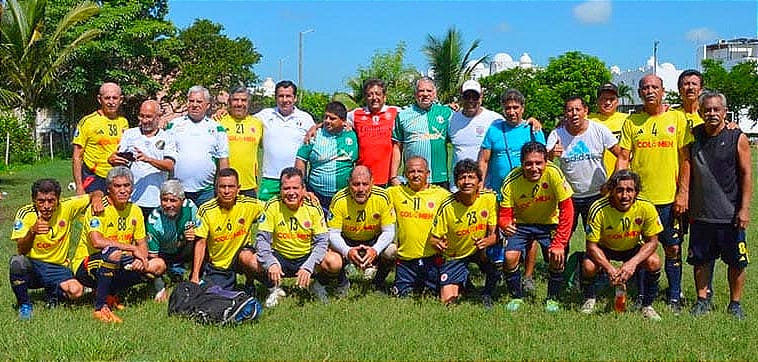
{"points": [[615, 69], [525, 59], [668, 66], [502, 58]]}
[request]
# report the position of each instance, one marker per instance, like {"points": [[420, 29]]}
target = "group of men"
{"points": [[334, 200]]}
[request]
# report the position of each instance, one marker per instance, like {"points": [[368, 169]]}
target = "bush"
{"points": [[23, 149]]}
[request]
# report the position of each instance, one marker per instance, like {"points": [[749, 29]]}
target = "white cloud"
{"points": [[701, 35], [593, 11], [503, 27]]}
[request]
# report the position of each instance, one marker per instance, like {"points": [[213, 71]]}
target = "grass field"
{"points": [[367, 326]]}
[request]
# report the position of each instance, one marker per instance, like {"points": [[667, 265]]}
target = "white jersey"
{"points": [[282, 136], [148, 178], [466, 133], [582, 158], [199, 145]]}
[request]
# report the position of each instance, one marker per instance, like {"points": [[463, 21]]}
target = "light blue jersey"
{"points": [[505, 142]]}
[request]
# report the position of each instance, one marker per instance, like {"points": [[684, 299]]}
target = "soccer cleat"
{"points": [[343, 289], [25, 312], [273, 296], [701, 307], [114, 302], [319, 291], [527, 285], [52, 303], [514, 305], [649, 313], [104, 314], [589, 306], [735, 309], [487, 301], [370, 273], [250, 310], [552, 306]]}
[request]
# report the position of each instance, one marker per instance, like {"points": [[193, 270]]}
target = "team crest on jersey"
{"points": [[671, 129], [349, 141], [440, 119], [17, 225], [307, 224], [544, 185], [376, 215], [479, 130], [484, 213], [94, 223], [62, 223], [638, 221], [241, 221], [443, 277], [430, 204], [134, 222], [375, 119]]}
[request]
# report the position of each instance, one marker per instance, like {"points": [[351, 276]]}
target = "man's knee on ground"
{"points": [[72, 288], [449, 294], [20, 265]]}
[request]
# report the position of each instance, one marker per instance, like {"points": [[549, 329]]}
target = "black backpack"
{"points": [[212, 305]]}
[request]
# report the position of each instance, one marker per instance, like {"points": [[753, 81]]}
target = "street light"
{"points": [[655, 57], [300, 57], [281, 62]]}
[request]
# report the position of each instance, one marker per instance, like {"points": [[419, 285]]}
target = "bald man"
{"points": [[96, 138], [150, 153]]}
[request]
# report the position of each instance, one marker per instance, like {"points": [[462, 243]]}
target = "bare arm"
{"points": [[597, 255], [622, 162], [484, 161], [646, 250], [300, 165], [397, 154], [76, 168], [197, 260], [683, 184], [746, 181]]}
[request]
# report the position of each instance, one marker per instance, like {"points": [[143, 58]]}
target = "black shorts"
{"points": [[617, 255], [709, 241]]}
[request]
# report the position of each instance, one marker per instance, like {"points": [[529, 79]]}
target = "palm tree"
{"points": [[449, 62], [625, 92], [31, 60]]}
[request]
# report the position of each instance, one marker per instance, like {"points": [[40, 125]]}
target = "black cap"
{"points": [[608, 87]]}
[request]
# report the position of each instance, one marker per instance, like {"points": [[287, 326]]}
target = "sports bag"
{"points": [[212, 305]]}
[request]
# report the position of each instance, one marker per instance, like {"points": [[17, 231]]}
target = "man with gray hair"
{"points": [[171, 233], [202, 144], [150, 153]]}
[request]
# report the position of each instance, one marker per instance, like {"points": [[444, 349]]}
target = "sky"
{"points": [[346, 34]]}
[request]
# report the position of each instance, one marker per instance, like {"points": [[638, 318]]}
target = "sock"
{"points": [[639, 280], [674, 275], [104, 279], [491, 277], [554, 284], [651, 287], [20, 287], [513, 281], [383, 270], [342, 277]]}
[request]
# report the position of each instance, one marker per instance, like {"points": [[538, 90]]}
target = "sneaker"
{"points": [[370, 273], [319, 291], [514, 305], [735, 309], [487, 301], [52, 303], [552, 306], [701, 307], [649, 313], [273, 296], [161, 296], [589, 306], [675, 306], [342, 290], [113, 302], [250, 310], [104, 314], [25, 312], [527, 285]]}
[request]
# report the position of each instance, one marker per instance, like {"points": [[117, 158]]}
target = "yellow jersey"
{"points": [[614, 123], [361, 222], [244, 139], [123, 226], [463, 225], [535, 202], [98, 136], [53, 246], [226, 231], [654, 142], [415, 213], [621, 231], [292, 232], [693, 119]]}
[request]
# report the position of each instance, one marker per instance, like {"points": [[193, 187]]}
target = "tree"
{"points": [[737, 84], [33, 54], [449, 62], [576, 74], [390, 67], [209, 58], [525, 80], [313, 102], [625, 93], [672, 98]]}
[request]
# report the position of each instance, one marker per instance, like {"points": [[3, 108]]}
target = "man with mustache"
{"points": [[244, 132], [361, 225], [657, 139], [719, 203], [624, 228]]}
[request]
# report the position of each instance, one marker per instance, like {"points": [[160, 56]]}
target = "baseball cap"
{"points": [[471, 85], [608, 87]]}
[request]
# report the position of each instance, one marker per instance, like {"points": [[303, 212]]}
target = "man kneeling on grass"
{"points": [[624, 228], [292, 239], [462, 230], [112, 251]]}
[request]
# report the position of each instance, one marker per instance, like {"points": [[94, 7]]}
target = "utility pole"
{"points": [[300, 57]]}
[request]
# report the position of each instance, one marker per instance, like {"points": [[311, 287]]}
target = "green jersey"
{"points": [[424, 133], [166, 235], [331, 158]]}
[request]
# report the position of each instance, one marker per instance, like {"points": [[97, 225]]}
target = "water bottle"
{"points": [[620, 303]]}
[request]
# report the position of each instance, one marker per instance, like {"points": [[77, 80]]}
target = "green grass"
{"points": [[366, 327]]}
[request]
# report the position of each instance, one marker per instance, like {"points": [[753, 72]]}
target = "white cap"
{"points": [[471, 85]]}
